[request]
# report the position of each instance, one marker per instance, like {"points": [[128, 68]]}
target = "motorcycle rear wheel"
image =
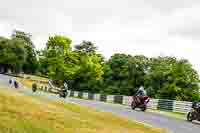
{"points": [[143, 108]]}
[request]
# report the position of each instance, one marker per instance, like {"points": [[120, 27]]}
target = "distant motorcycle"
{"points": [[34, 87], [140, 102], [63, 93], [16, 84], [194, 114]]}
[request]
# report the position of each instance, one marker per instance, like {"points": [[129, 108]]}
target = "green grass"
{"points": [[26, 114]]}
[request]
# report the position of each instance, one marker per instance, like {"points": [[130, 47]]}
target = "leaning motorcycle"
{"points": [[63, 93], [194, 114], [140, 102]]}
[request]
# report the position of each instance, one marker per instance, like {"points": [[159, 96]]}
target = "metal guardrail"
{"points": [[156, 104]]}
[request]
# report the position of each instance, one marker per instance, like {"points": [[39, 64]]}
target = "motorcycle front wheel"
{"points": [[189, 117]]}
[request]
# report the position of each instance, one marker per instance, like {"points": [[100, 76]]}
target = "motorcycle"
{"points": [[10, 81], [34, 87], [63, 93], [140, 102], [194, 114]]}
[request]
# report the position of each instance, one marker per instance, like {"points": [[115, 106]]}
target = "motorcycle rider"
{"points": [[64, 90], [10, 81], [141, 91], [34, 87], [140, 99], [16, 85]]}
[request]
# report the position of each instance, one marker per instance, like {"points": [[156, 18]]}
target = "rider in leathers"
{"points": [[141, 91]]}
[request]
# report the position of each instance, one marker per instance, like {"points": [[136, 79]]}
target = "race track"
{"points": [[170, 124]]}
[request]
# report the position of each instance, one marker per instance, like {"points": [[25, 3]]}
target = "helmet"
{"points": [[141, 88]]}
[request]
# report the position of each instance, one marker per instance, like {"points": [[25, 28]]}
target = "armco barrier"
{"points": [[91, 96], [85, 95], [75, 93], [97, 97], [103, 98], [110, 98], [153, 104], [160, 104], [127, 100], [165, 105], [118, 99], [182, 107], [80, 94], [71, 93]]}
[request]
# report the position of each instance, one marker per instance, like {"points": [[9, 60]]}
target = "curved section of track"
{"points": [[170, 124]]}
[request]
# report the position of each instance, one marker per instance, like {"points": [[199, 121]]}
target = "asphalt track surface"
{"points": [[172, 125]]}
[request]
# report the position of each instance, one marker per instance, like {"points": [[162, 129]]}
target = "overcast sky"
{"points": [[149, 27]]}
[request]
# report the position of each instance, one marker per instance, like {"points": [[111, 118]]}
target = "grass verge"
{"points": [[28, 83], [26, 114]]}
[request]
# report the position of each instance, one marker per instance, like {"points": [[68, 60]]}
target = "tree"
{"points": [[89, 68], [86, 47], [138, 68], [58, 48], [26, 37], [77, 68], [170, 78], [123, 74], [116, 75], [31, 63], [60, 43], [12, 54], [85, 70]]}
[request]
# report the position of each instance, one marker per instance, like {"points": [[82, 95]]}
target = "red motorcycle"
{"points": [[140, 102]]}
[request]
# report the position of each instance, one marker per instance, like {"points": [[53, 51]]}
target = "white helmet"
{"points": [[141, 88]]}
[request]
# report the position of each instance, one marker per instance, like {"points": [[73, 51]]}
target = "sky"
{"points": [[148, 27]]}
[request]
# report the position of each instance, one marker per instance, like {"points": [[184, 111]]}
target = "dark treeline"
{"points": [[86, 70]]}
